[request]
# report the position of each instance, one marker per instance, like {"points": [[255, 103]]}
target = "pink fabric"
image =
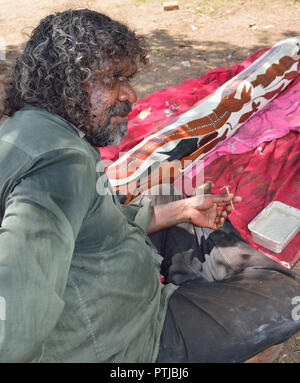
{"points": [[275, 120]]}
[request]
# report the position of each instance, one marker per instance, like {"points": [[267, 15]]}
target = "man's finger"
{"points": [[225, 212], [220, 222], [225, 199]]}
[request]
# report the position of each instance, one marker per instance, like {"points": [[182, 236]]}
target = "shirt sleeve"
{"points": [[43, 215], [139, 211]]}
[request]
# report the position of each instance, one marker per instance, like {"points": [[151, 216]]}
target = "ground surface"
{"points": [[201, 35]]}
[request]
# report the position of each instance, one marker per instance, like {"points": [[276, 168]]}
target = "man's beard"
{"points": [[111, 134]]}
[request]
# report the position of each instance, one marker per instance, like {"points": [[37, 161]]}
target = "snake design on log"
{"points": [[196, 132]]}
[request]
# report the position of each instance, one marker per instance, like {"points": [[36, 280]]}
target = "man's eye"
{"points": [[123, 78], [110, 81]]}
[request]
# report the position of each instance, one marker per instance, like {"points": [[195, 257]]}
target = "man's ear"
{"points": [[86, 86]]}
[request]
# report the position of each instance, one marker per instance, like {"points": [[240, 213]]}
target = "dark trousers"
{"points": [[232, 302]]}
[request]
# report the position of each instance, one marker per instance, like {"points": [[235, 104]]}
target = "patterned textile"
{"points": [[160, 108], [275, 120], [196, 132], [266, 167]]}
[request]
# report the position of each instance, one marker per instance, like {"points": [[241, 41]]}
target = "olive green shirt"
{"points": [[79, 276]]}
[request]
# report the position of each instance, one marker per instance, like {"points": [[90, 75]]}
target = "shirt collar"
{"points": [[55, 117]]}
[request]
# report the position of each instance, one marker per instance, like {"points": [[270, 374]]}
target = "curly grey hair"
{"points": [[58, 58]]}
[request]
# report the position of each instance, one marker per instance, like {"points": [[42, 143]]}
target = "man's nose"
{"points": [[127, 93]]}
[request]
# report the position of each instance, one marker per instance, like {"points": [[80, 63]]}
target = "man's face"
{"points": [[111, 99]]}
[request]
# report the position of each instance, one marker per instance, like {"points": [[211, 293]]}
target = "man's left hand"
{"points": [[208, 210]]}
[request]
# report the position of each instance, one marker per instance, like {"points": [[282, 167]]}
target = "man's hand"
{"points": [[209, 210]]}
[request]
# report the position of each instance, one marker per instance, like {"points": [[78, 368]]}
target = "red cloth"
{"points": [[171, 102], [260, 177]]}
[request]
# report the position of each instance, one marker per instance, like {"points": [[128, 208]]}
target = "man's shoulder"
{"points": [[36, 132]]}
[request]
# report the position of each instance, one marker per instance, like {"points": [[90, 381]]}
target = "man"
{"points": [[79, 275]]}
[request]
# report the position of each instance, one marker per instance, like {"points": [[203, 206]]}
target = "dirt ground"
{"points": [[184, 43]]}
